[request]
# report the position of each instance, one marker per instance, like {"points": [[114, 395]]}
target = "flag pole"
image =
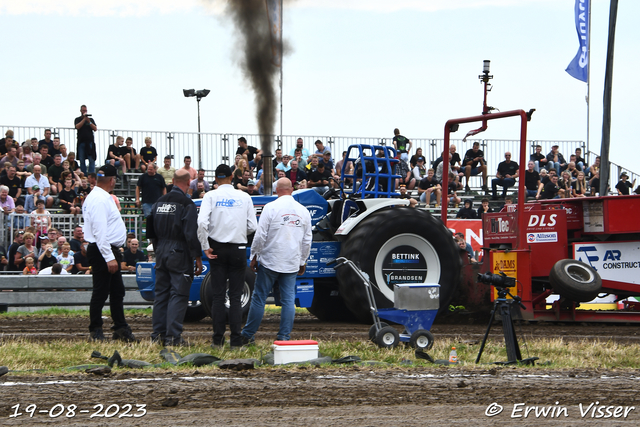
{"points": [[282, 66]]}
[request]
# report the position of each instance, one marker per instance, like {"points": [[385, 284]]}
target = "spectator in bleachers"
{"points": [[46, 160], [73, 164], [579, 186], [414, 159], [623, 186], [77, 239], [506, 176], [6, 202], [312, 165], [187, 166], [47, 140], [407, 179], [299, 156], [14, 184], [131, 256], [278, 158], [56, 147], [463, 245], [37, 157], [18, 236], [555, 159], [65, 258], [595, 167], [63, 152], [304, 152], [404, 195], [167, 171], [284, 165], [68, 198], [429, 188], [8, 135], [565, 184], [544, 176], [199, 192], [571, 168], [474, 164], [539, 159], [10, 157], [242, 182], [148, 154], [26, 250], [484, 208], [60, 241], [35, 148], [551, 189], [86, 149], [27, 154], [18, 217], [532, 183], [419, 171], [42, 183], [67, 172], [319, 179], [252, 153], [116, 153], [594, 182], [84, 189], [296, 175], [30, 267], [193, 185], [55, 170], [401, 144], [80, 261], [252, 189], [152, 187], [131, 155], [452, 188], [580, 162], [467, 211], [45, 257]]}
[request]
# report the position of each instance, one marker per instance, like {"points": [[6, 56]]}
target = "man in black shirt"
{"points": [[77, 240], [55, 170], [148, 154], [532, 181], [152, 186], [551, 189], [474, 164], [17, 242], [80, 261], [14, 183], [252, 153], [46, 159], [624, 187], [47, 139], [428, 187], [505, 177], [132, 256], [401, 144], [539, 159], [86, 143], [116, 153], [319, 179]]}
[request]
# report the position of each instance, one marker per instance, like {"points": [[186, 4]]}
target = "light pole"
{"points": [[199, 94]]}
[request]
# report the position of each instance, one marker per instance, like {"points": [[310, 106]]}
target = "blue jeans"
{"points": [[532, 193], [146, 209], [82, 157], [264, 283], [502, 182], [553, 165]]}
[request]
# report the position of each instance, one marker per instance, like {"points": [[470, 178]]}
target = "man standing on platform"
{"points": [[86, 143], [106, 233], [172, 228], [225, 220]]}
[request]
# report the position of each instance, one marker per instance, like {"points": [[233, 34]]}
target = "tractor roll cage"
{"points": [[377, 174]]}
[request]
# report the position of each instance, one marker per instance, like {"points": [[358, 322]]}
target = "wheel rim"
{"points": [[388, 338], [244, 299], [579, 273], [422, 341], [421, 245]]}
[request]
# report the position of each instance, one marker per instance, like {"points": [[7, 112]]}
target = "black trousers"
{"points": [[105, 285], [230, 264]]}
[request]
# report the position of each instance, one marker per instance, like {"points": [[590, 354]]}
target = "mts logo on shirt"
{"points": [[228, 203], [166, 208]]}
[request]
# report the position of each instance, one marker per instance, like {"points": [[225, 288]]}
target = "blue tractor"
{"points": [[364, 221]]}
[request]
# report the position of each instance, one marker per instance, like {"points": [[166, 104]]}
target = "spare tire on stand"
{"points": [[575, 280], [398, 245]]}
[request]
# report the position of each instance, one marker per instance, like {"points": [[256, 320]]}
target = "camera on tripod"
{"points": [[498, 280]]}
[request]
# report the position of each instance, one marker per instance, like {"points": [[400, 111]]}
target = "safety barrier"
{"points": [[38, 292]]}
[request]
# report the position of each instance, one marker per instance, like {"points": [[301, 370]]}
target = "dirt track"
{"points": [[353, 395]]}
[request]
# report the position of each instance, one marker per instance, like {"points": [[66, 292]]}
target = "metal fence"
{"points": [[64, 223]]}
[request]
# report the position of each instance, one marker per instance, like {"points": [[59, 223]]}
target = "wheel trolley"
{"points": [[415, 308]]}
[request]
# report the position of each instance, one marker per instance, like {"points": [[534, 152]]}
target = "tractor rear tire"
{"points": [[575, 280], [393, 240], [206, 297], [327, 304]]}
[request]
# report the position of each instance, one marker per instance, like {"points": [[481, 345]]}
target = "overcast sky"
{"points": [[356, 68]]}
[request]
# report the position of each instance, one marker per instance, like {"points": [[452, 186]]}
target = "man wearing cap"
{"points": [[172, 228], [252, 190], [225, 220], [420, 171], [282, 245], [106, 233], [555, 160], [624, 187], [38, 187]]}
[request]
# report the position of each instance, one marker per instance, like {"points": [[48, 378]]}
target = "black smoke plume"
{"points": [[250, 19]]}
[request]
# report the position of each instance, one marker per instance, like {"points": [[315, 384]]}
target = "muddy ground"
{"points": [[353, 395]]}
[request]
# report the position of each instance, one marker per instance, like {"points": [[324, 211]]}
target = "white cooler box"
{"points": [[294, 351]]}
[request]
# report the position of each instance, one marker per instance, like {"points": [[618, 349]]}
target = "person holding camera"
{"points": [[86, 142]]}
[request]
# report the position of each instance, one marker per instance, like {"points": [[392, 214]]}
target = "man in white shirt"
{"points": [[282, 244], [37, 179], [106, 233], [226, 218]]}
